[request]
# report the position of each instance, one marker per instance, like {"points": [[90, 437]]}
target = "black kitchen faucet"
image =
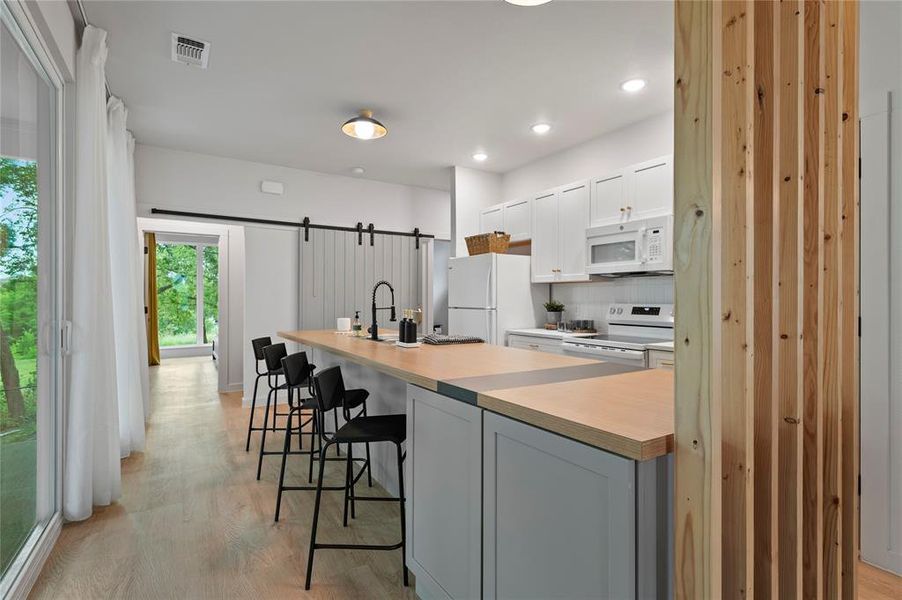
{"points": [[374, 329]]}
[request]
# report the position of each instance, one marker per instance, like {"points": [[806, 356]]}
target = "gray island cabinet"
{"points": [[501, 509], [528, 475]]}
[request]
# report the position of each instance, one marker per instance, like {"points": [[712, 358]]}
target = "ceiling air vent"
{"points": [[189, 51]]}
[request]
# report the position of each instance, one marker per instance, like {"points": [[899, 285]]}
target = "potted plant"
{"points": [[553, 310]]}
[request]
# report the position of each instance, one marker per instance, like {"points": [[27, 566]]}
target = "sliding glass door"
{"points": [[29, 300]]}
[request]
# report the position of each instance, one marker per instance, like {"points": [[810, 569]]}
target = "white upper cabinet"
{"points": [[491, 219], [637, 191], [518, 219], [651, 189], [544, 237], [573, 218], [514, 217], [560, 218], [608, 198]]}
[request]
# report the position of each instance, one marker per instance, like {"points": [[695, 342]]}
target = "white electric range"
{"points": [[631, 329]]}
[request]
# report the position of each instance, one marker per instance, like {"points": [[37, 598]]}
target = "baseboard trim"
{"points": [[28, 575], [187, 351]]}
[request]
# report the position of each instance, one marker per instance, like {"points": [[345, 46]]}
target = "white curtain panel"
{"points": [[91, 473], [128, 312], [139, 280]]}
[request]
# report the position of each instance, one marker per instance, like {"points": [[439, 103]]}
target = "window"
{"points": [[29, 300], [187, 293]]}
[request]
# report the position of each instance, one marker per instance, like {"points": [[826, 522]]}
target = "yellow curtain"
{"points": [[150, 299]]}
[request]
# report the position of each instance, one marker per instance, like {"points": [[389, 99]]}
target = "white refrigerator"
{"points": [[489, 294]]}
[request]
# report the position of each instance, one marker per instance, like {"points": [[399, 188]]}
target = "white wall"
{"points": [[634, 143], [880, 50], [471, 191], [880, 96], [187, 181], [270, 294], [54, 20]]}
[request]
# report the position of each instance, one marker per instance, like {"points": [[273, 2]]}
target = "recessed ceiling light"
{"points": [[480, 156], [632, 85], [364, 127], [527, 2], [358, 170], [541, 128]]}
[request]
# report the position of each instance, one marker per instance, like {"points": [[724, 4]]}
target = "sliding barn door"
{"points": [[766, 276], [338, 275]]}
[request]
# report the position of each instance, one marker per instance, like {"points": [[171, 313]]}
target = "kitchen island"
{"points": [[528, 474]]}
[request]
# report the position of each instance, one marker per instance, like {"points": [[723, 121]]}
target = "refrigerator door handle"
{"points": [[488, 287]]}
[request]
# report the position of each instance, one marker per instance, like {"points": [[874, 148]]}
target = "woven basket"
{"points": [[497, 242]]}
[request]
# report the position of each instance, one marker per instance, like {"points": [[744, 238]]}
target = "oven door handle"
{"points": [[597, 351]]}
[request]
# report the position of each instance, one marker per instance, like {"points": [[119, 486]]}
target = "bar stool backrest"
{"points": [[273, 355], [330, 389], [296, 368], [258, 345]]}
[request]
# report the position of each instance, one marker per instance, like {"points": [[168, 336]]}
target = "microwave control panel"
{"points": [[654, 250]]}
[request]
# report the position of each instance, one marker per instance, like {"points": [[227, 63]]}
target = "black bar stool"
{"points": [[272, 355], [298, 374], [257, 344], [330, 394]]}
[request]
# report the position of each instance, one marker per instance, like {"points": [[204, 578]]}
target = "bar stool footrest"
{"points": [[319, 546], [377, 499]]}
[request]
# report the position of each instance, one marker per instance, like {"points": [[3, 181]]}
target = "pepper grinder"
{"points": [[404, 330]]}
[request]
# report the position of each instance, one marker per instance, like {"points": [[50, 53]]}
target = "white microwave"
{"points": [[639, 246]]}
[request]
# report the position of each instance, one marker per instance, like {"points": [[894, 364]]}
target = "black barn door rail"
{"points": [[306, 225]]}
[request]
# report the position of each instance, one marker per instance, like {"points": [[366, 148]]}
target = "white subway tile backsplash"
{"points": [[592, 300]]}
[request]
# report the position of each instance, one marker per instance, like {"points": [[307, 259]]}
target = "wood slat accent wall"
{"points": [[337, 276], [766, 263]]}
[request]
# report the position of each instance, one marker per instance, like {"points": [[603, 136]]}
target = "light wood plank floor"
{"points": [[194, 523], [876, 584]]}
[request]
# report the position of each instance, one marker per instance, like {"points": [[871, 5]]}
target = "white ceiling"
{"points": [[447, 79]]}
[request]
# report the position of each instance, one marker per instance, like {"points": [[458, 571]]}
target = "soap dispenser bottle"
{"points": [[356, 325]]}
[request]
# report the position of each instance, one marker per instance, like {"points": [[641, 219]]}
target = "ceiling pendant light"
{"points": [[527, 2], [364, 127]]}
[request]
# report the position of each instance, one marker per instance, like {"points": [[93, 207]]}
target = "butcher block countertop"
{"points": [[617, 408]]}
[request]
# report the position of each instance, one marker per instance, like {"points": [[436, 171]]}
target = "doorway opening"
{"points": [[194, 294]]}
